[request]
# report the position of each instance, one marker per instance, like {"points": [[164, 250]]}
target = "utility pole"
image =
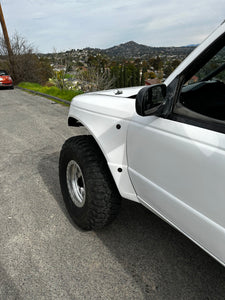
{"points": [[7, 42]]}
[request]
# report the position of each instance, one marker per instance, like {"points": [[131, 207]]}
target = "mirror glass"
{"points": [[157, 96], [150, 98]]}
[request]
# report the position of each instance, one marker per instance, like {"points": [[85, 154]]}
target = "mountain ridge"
{"points": [[133, 49]]}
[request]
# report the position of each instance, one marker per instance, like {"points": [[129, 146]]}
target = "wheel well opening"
{"points": [[74, 122]]}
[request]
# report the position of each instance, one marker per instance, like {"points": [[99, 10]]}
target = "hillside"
{"points": [[135, 50], [127, 51]]}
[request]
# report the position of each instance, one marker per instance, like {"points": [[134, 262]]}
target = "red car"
{"points": [[5, 80]]}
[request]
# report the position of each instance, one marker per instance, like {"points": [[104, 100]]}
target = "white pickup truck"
{"points": [[162, 146]]}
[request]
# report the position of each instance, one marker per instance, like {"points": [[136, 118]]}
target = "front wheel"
{"points": [[88, 189]]}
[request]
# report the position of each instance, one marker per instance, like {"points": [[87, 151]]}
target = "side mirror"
{"points": [[150, 99]]}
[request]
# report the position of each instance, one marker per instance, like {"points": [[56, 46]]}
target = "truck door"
{"points": [[177, 164]]}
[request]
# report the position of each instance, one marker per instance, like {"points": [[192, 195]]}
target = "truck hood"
{"points": [[119, 103], [121, 92]]}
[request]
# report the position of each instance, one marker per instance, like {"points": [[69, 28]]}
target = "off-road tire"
{"points": [[102, 199]]}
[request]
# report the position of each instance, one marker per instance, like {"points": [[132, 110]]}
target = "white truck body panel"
{"points": [[175, 169], [100, 116], [180, 175]]}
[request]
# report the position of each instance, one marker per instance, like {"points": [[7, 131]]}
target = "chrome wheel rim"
{"points": [[75, 183]]}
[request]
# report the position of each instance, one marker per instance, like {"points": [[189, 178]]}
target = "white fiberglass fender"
{"points": [[106, 116]]}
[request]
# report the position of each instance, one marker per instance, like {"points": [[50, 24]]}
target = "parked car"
{"points": [[5, 80], [162, 146]]}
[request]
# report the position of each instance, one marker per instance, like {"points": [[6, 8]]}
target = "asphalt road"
{"points": [[44, 256]]}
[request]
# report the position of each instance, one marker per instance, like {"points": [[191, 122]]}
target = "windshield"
{"points": [[214, 69], [2, 72]]}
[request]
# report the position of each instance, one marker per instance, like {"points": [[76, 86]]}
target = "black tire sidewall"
{"points": [[78, 214], [102, 199]]}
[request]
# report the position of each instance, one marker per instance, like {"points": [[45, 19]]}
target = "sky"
{"points": [[60, 25]]}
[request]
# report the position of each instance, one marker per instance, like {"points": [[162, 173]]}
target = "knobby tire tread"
{"points": [[103, 201]]}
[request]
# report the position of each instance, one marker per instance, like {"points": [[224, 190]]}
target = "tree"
{"points": [[143, 73], [116, 75], [94, 79], [27, 65], [59, 79], [156, 63]]}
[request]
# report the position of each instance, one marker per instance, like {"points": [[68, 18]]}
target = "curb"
{"points": [[44, 95]]}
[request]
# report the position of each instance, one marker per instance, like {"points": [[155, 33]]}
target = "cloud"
{"points": [[79, 23]]}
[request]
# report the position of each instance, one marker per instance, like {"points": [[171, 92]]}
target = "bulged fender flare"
{"points": [[110, 134]]}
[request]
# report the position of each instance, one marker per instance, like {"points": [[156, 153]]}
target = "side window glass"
{"points": [[204, 92]]}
